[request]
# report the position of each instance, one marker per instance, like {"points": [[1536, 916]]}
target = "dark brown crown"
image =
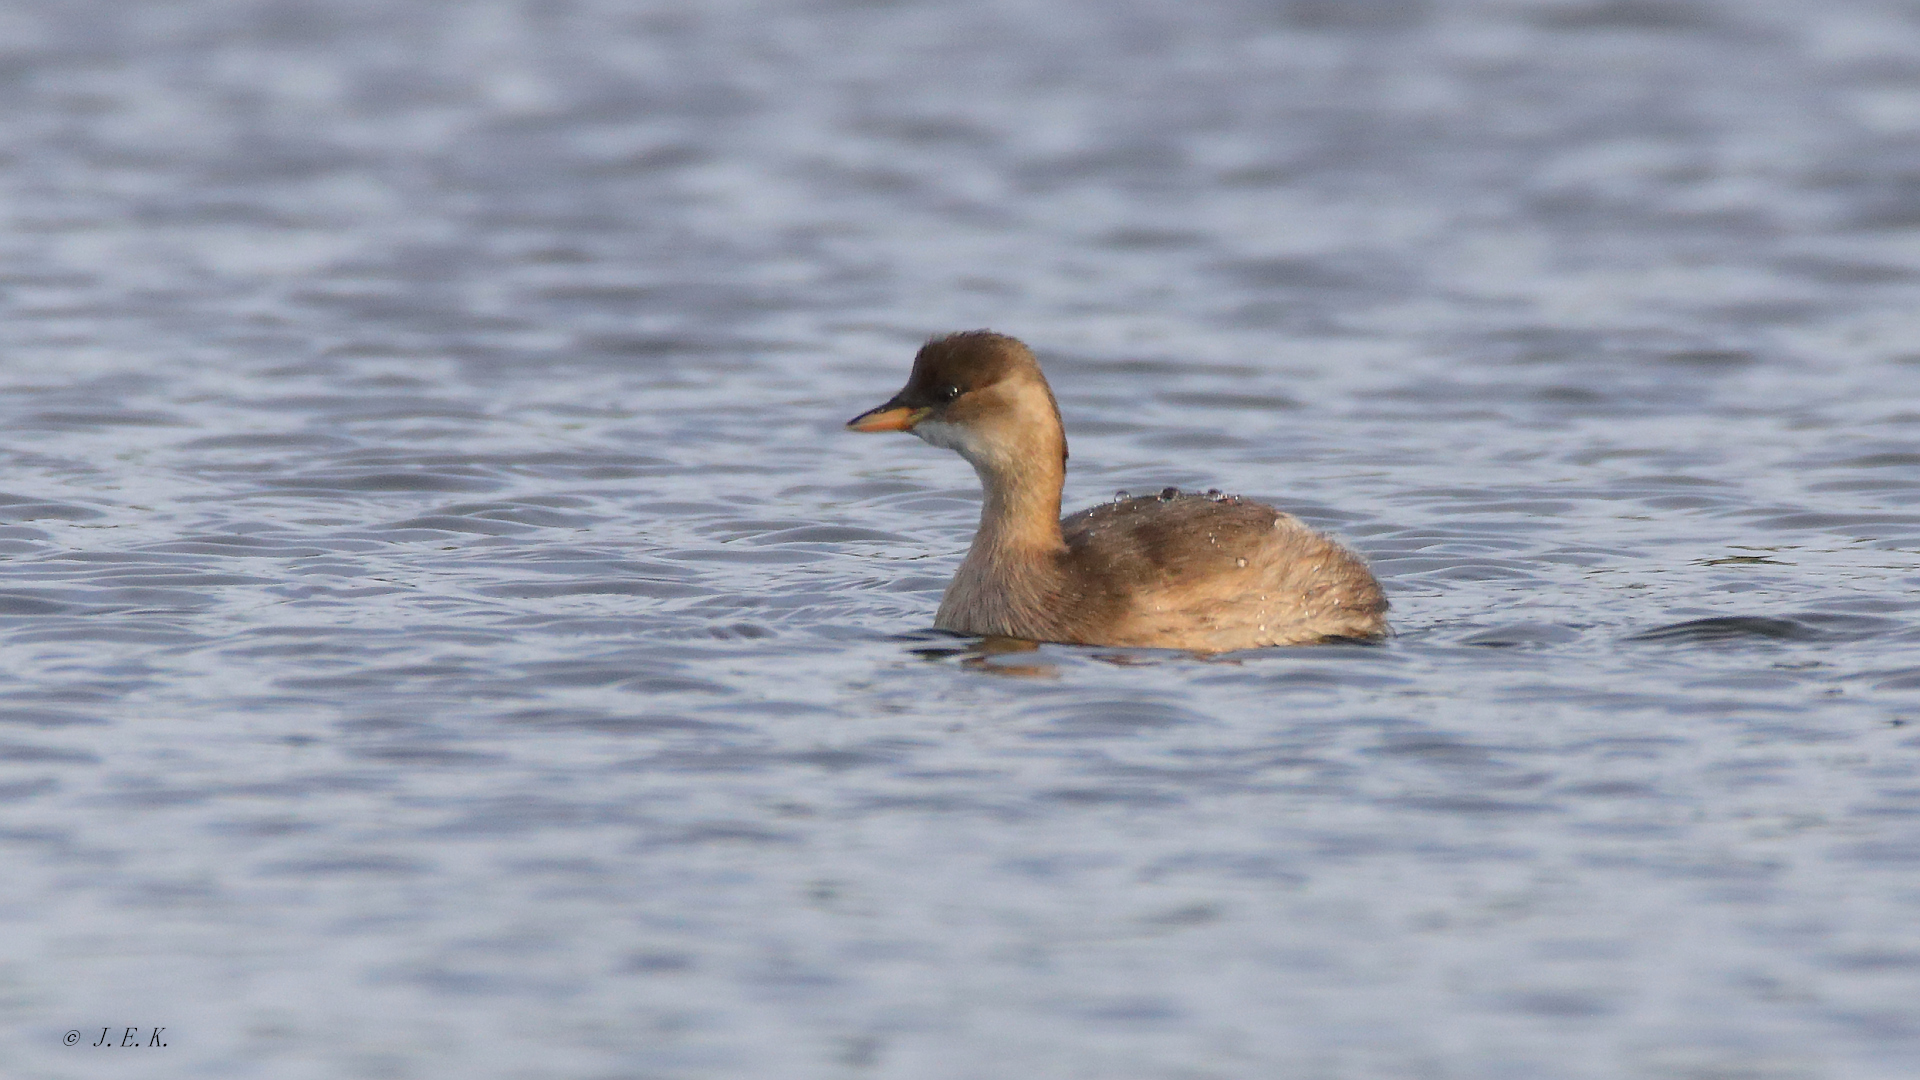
{"points": [[954, 364]]}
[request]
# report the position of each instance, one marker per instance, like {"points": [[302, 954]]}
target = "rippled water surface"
{"points": [[444, 630]]}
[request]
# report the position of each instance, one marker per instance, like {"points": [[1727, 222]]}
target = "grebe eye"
{"points": [[946, 394]]}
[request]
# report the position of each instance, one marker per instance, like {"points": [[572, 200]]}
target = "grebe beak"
{"points": [[888, 417]]}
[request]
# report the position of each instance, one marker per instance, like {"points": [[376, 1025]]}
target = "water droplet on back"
{"points": [[1215, 494], [1121, 495], [1169, 494]]}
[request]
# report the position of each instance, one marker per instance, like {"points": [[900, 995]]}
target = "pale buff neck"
{"points": [[1009, 581], [1013, 439], [1020, 504]]}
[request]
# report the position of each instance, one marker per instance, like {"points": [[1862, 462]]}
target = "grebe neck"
{"points": [[1020, 506]]}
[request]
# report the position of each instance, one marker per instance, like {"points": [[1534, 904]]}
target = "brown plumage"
{"points": [[1182, 571]]}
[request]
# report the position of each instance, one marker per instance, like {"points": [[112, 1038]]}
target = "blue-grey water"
{"points": [[444, 631]]}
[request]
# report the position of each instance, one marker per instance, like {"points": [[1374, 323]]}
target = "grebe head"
{"points": [[978, 393]]}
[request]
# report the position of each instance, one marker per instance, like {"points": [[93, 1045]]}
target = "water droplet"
{"points": [[1215, 494], [1121, 495], [1239, 562], [1169, 494]]}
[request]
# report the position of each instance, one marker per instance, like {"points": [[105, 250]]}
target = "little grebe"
{"points": [[1178, 571]]}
